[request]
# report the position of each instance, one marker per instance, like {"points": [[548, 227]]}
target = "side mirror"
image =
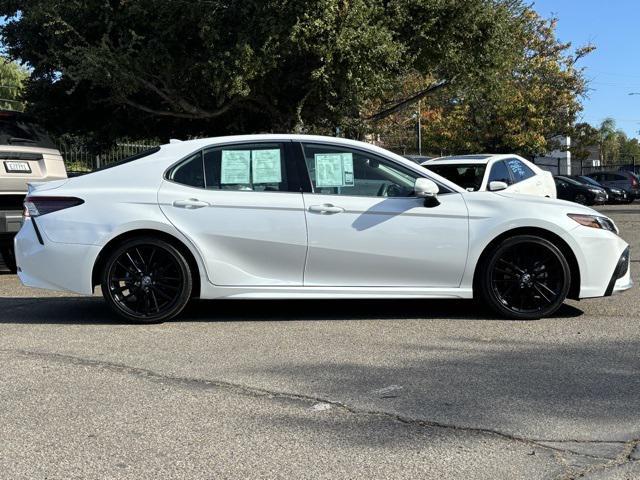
{"points": [[497, 186], [427, 189]]}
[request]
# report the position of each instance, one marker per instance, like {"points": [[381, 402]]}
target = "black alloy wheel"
{"points": [[581, 198], [146, 280], [525, 278]]}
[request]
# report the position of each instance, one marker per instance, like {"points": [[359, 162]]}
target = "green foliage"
{"points": [[12, 79], [148, 68], [205, 67]]}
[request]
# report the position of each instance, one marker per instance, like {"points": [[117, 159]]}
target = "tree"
{"points": [[12, 80], [527, 93], [183, 68]]}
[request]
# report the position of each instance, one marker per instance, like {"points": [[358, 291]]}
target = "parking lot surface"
{"points": [[321, 389]]}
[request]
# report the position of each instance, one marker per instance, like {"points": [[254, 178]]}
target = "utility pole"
{"points": [[419, 130]]}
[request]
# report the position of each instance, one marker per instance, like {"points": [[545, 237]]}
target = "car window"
{"points": [[189, 172], [519, 170], [247, 167], [468, 176], [619, 177], [337, 170], [499, 173]]}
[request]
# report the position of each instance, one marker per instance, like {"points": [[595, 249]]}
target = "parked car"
{"points": [[510, 173], [27, 155], [574, 191], [296, 216], [625, 180], [615, 195]]}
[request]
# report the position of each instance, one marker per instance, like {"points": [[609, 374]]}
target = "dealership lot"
{"points": [[330, 389]]}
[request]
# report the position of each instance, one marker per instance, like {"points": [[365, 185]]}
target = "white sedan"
{"points": [[510, 173], [294, 216]]}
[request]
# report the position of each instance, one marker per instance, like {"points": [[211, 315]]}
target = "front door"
{"points": [[367, 229], [241, 206]]}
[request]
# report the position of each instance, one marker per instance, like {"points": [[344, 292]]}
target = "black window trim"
{"points": [[291, 164], [308, 184], [502, 160]]}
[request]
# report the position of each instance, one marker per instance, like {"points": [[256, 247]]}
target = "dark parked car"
{"points": [[574, 191], [616, 195], [625, 180]]}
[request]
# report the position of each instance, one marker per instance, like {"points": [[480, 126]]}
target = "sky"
{"points": [[613, 69]]}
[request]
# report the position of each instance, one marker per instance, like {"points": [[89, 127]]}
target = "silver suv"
{"points": [[27, 155]]}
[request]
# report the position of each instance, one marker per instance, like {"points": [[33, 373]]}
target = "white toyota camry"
{"points": [[510, 173], [293, 216]]}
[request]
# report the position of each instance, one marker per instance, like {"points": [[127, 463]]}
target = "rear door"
{"points": [[241, 206], [366, 229]]}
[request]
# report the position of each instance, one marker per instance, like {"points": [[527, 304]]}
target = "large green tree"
{"points": [[109, 68], [12, 80], [526, 94]]}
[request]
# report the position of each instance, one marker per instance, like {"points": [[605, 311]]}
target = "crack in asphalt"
{"points": [[570, 473]]}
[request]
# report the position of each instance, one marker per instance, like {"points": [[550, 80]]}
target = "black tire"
{"points": [[524, 278], [9, 256], [581, 199], [146, 280]]}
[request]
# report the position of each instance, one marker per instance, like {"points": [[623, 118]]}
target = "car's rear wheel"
{"points": [[525, 278], [146, 280]]}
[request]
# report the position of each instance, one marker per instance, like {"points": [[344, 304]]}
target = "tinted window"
{"points": [[468, 176], [336, 170], [518, 170], [17, 129], [619, 177], [499, 173], [248, 167], [190, 172], [258, 167]]}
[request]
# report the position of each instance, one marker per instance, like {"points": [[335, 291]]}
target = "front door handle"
{"points": [[191, 204], [326, 209]]}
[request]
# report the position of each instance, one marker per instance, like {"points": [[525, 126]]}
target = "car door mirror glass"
{"points": [[496, 186]]}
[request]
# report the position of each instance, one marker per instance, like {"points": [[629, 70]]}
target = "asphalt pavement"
{"points": [[321, 389]]}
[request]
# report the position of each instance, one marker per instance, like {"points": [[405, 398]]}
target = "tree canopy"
{"points": [[491, 72], [12, 80]]}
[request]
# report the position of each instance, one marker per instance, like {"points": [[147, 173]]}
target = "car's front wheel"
{"points": [[146, 280], [524, 278]]}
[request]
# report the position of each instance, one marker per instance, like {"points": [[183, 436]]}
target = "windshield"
{"points": [[468, 176], [18, 130], [571, 181]]}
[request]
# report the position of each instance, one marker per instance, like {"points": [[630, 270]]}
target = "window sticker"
{"points": [[235, 167], [517, 168], [347, 169], [334, 169], [265, 166]]}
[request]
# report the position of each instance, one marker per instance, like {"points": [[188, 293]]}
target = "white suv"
{"points": [[27, 155]]}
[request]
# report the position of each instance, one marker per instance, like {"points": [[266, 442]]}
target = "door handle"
{"points": [[326, 209], [191, 204]]}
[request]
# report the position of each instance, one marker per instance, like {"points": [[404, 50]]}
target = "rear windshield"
{"points": [[468, 176], [18, 130]]}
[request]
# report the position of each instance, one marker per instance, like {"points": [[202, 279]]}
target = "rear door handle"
{"points": [[326, 209], [191, 204]]}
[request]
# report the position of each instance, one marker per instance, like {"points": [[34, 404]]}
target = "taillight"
{"points": [[37, 206], [634, 181]]}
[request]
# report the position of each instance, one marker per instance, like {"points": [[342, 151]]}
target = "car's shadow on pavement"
{"points": [[92, 310]]}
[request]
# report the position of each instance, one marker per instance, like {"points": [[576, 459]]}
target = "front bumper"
{"points": [[621, 278], [51, 265]]}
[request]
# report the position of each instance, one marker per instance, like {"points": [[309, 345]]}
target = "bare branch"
{"points": [[408, 101]]}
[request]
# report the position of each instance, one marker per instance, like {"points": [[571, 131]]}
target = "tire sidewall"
{"points": [[486, 286], [187, 283]]}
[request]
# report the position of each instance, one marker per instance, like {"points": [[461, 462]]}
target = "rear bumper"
{"points": [[10, 221], [55, 266]]}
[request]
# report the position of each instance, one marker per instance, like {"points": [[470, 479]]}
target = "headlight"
{"points": [[617, 191], [597, 191], [594, 221]]}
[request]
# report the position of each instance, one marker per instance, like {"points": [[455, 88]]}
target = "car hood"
{"points": [[530, 201]]}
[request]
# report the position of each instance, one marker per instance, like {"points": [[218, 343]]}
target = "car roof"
{"points": [[171, 152]]}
